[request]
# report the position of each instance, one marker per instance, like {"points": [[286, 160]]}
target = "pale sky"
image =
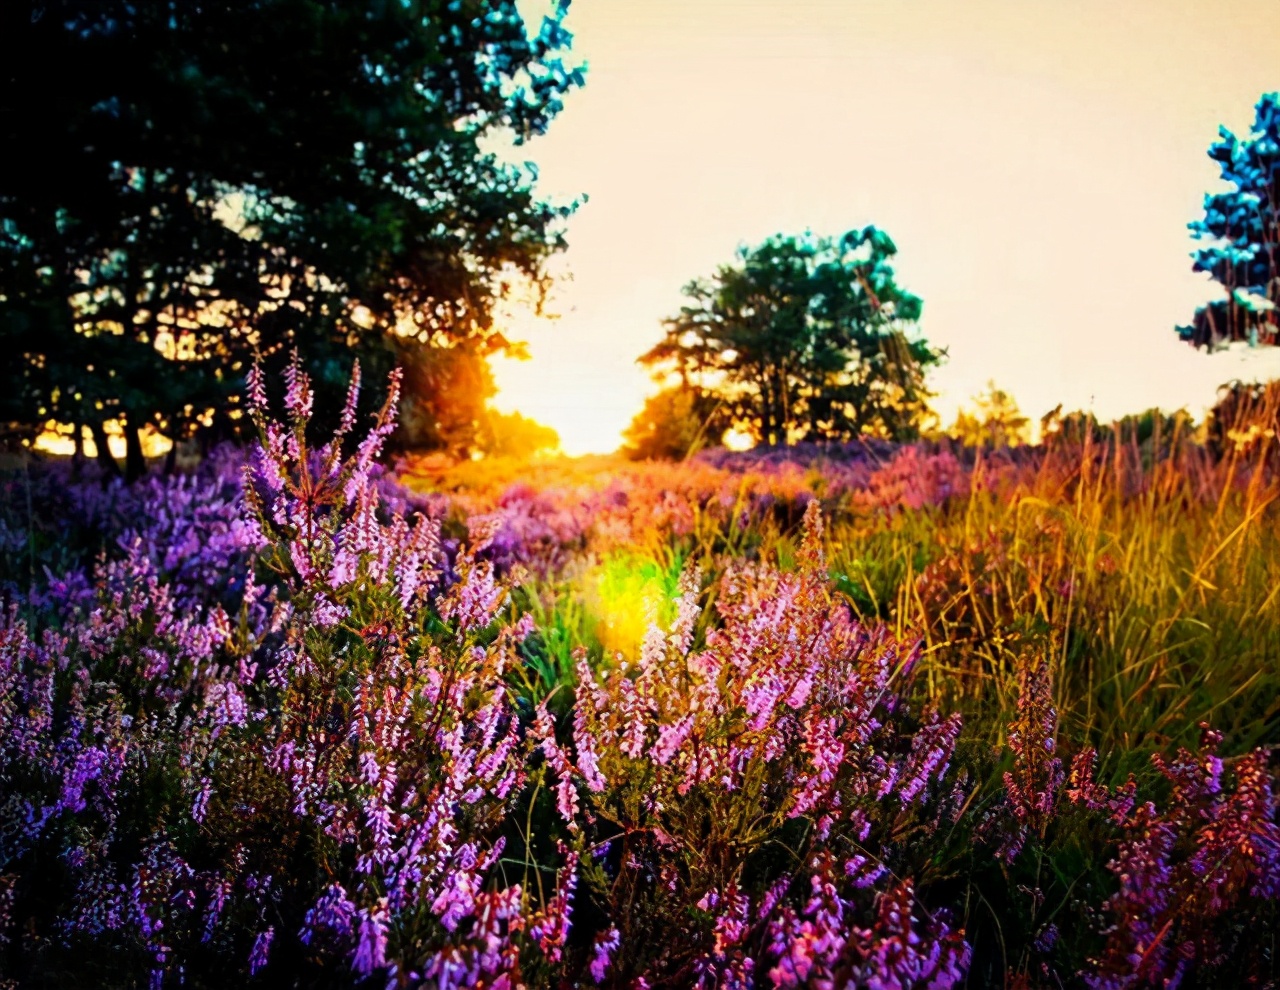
{"points": [[1036, 162]]}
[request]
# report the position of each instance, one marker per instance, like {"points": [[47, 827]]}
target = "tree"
{"points": [[673, 424], [804, 338], [515, 435], [996, 421], [1154, 433], [186, 186], [445, 398], [1245, 417], [445, 406], [1241, 228]]}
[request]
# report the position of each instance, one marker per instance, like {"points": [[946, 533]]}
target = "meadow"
{"points": [[312, 685], [882, 715]]}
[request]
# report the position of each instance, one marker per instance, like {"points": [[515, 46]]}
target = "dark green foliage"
{"points": [[1245, 418], [186, 185], [1242, 231], [804, 338]]}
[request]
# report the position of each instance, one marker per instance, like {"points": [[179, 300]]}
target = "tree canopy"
{"points": [[993, 421], [803, 338], [1241, 235], [674, 423], [187, 186]]}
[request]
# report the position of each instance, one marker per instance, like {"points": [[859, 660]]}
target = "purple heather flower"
{"points": [[261, 947], [371, 948], [606, 944], [333, 914]]}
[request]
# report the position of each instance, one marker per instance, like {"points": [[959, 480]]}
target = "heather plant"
{"points": [[321, 781], [618, 724], [55, 524], [1198, 879], [110, 725], [1031, 786], [745, 801], [1030, 849], [392, 728], [913, 479], [1194, 866], [550, 513]]}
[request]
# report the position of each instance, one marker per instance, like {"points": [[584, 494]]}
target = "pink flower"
{"points": [[606, 944]]}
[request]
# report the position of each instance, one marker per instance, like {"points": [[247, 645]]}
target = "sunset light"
{"points": [[640, 494], [1037, 165]]}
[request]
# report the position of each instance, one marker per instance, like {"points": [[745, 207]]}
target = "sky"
{"points": [[1036, 164]]}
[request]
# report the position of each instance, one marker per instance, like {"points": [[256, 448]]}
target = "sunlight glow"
{"points": [[1036, 165], [57, 440]]}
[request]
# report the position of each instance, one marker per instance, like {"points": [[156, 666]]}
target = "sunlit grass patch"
{"points": [[628, 592]]}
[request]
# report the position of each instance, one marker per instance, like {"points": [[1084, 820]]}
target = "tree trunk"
{"points": [[105, 461], [77, 453], [780, 413], [784, 383], [171, 458], [135, 465], [766, 407]]}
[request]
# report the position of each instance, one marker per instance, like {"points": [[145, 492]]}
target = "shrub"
{"points": [[744, 801]]}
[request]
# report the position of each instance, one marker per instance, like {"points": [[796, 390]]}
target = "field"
{"points": [[323, 666], [869, 715]]}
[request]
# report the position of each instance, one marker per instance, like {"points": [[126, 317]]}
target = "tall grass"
{"points": [[1148, 577]]}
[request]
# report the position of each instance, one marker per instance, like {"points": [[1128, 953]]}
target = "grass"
{"points": [[1151, 584], [1145, 574]]}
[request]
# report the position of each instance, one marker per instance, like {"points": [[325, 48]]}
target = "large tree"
{"points": [[803, 338], [1241, 235], [674, 423], [187, 185]]}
